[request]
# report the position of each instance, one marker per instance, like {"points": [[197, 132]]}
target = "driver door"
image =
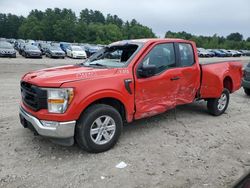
{"points": [[157, 93]]}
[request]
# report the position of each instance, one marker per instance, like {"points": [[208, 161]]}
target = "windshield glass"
{"points": [[113, 56], [56, 48], [5, 45], [76, 48], [45, 45], [31, 47]]}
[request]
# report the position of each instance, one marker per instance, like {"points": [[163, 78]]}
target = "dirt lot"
{"points": [[182, 148]]}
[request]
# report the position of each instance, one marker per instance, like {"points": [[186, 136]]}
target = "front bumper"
{"points": [[57, 55], [34, 55], [79, 56], [245, 83], [8, 55], [61, 131]]}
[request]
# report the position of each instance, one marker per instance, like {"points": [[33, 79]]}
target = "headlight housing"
{"points": [[59, 99]]}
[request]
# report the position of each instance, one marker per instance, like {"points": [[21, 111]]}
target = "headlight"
{"points": [[59, 99]]}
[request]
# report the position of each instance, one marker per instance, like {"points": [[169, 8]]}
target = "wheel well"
{"points": [[118, 105], [228, 83]]}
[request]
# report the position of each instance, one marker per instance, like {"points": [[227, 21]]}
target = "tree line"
{"points": [[232, 41], [91, 26], [63, 25]]}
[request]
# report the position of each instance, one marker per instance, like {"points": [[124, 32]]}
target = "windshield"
{"points": [[5, 45], [113, 56], [56, 48], [76, 48], [31, 47], [45, 45]]}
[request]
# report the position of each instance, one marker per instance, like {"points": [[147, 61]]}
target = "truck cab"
{"points": [[125, 81]]}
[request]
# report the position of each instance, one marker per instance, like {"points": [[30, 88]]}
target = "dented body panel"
{"points": [[141, 97]]}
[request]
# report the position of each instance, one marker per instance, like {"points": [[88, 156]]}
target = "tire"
{"points": [[89, 120], [217, 109], [247, 91]]}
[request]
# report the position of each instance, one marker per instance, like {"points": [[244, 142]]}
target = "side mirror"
{"points": [[146, 71]]}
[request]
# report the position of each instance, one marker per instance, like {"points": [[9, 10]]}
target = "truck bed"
{"points": [[219, 75]]}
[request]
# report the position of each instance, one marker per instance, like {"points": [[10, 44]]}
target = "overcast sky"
{"points": [[201, 17]]}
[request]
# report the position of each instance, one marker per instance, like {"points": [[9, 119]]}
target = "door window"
{"points": [[162, 56]]}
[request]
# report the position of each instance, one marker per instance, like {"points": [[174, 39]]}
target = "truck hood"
{"points": [[55, 77]]}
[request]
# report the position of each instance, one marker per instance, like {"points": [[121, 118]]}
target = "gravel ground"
{"points": [[185, 147]]}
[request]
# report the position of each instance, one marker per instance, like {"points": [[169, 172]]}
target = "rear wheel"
{"points": [[98, 128], [219, 105], [247, 91]]}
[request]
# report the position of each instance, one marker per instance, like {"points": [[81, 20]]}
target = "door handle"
{"points": [[175, 78]]}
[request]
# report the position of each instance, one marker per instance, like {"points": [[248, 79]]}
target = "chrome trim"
{"points": [[63, 130]]}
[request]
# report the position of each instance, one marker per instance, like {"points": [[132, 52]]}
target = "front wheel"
{"points": [[98, 128], [219, 105], [247, 91]]}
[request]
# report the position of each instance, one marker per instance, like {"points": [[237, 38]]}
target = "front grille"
{"points": [[33, 96]]}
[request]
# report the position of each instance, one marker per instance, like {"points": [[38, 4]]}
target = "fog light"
{"points": [[51, 124]]}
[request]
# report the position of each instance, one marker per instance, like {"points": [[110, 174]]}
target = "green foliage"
{"points": [[232, 41], [9, 25], [63, 25], [235, 37]]}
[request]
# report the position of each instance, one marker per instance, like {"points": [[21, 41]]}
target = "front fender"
{"points": [[87, 101]]}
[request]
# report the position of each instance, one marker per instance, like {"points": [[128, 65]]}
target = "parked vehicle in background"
{"points": [[76, 52], [91, 49], [227, 53], [246, 80], [29, 41], [245, 52], [235, 53], [11, 41], [31, 51], [55, 44], [64, 46], [219, 53], [7, 50], [44, 47], [89, 102], [21, 46], [202, 52], [211, 53], [55, 52], [17, 43]]}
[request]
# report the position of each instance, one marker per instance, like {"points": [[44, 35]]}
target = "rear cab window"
{"points": [[186, 54]]}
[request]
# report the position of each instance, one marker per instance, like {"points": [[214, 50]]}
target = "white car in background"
{"points": [[76, 52], [235, 53]]}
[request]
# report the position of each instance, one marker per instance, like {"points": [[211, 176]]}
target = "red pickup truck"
{"points": [[125, 81]]}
